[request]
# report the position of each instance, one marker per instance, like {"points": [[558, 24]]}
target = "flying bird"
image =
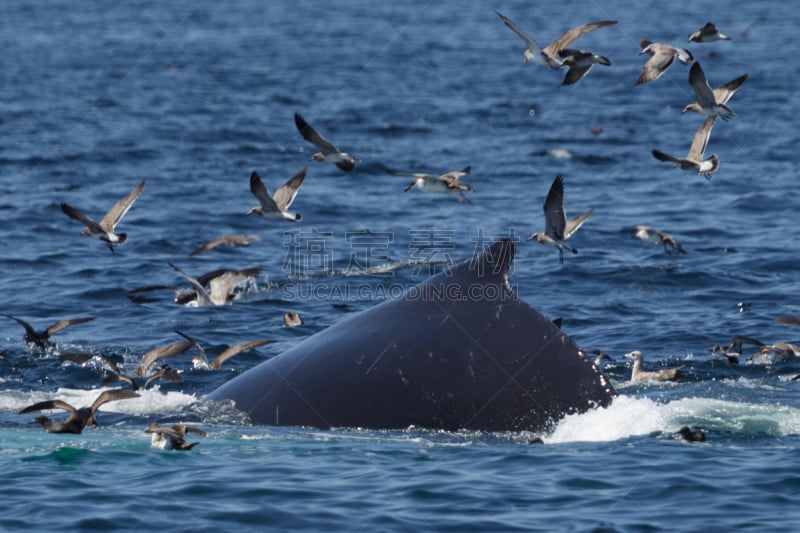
{"points": [[646, 233], [706, 98], [448, 182], [707, 34], [166, 351], [722, 94], [82, 358], [42, 338], [231, 240], [227, 353], [557, 227], [221, 287], [553, 54], [327, 152], [662, 56], [580, 62], [694, 159], [638, 373], [162, 373], [104, 230], [275, 206], [78, 418]]}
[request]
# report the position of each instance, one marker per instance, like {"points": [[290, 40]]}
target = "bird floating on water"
{"points": [[172, 438], [104, 230], [557, 227], [638, 373], [292, 318]]}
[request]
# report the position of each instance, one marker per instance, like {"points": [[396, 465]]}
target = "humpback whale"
{"points": [[457, 351]]}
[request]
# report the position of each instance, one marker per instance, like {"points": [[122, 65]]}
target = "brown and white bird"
{"points": [[662, 56], [707, 34], [82, 358], [638, 373], [555, 53], [706, 99], [221, 287], [78, 418], [200, 361], [646, 233], [448, 182], [166, 351], [291, 319], [161, 373], [172, 438], [722, 94], [42, 338], [230, 240], [327, 152], [275, 206], [694, 159], [104, 230], [557, 227]]}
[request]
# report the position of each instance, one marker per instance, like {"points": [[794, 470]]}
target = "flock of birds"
{"points": [[218, 287]]}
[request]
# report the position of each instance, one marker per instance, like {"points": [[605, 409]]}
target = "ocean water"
{"points": [[193, 96]]}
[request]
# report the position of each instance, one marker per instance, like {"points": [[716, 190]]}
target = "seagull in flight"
{"points": [[104, 230], [721, 94], [646, 233], [448, 182], [327, 152], [557, 227], [275, 206], [706, 99], [694, 159], [662, 56], [232, 240], [707, 34], [552, 54]]}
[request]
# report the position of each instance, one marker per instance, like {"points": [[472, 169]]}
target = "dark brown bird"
{"points": [[231, 240], [230, 351], [692, 435], [42, 338], [163, 352], [78, 418], [82, 358]]}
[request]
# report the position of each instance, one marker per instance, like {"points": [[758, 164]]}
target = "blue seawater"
{"points": [[192, 96]]}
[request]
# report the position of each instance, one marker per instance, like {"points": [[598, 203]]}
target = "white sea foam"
{"points": [[628, 416], [151, 401]]}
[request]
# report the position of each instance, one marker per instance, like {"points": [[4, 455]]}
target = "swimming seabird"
{"points": [[638, 372], [82, 358], [707, 34], [722, 94], [104, 230], [662, 56], [231, 240], [172, 438], [327, 152], [163, 352], [694, 159], [42, 338], [227, 353], [448, 182], [220, 287], [706, 99], [275, 206], [292, 318], [554, 55], [692, 435], [557, 227], [733, 351], [646, 233], [78, 418]]}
